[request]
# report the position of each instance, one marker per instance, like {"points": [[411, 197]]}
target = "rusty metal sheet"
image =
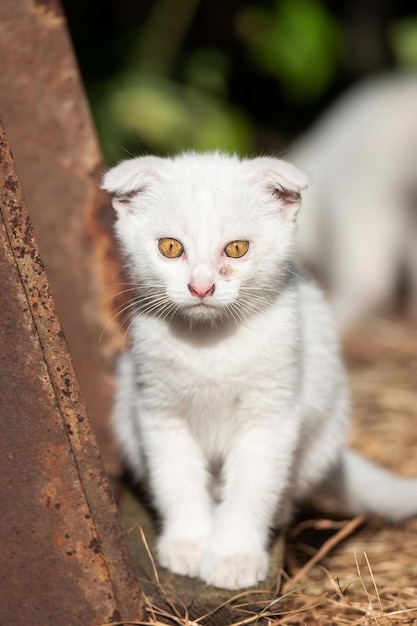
{"points": [[63, 559], [55, 148]]}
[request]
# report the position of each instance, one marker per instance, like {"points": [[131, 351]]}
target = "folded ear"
{"points": [[129, 178], [284, 181]]}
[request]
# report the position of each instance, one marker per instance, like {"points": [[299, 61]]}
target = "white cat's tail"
{"points": [[364, 488]]}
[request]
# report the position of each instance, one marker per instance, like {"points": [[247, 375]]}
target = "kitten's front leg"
{"points": [[179, 480], [256, 475]]}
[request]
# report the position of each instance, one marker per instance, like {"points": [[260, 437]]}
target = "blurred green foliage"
{"points": [[299, 43], [404, 41], [166, 116], [147, 105], [168, 75]]}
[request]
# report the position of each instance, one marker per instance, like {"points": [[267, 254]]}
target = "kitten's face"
{"points": [[205, 237]]}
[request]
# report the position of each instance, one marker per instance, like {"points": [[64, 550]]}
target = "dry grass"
{"points": [[338, 572], [369, 579]]}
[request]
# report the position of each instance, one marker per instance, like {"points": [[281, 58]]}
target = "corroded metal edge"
{"points": [[67, 417]]}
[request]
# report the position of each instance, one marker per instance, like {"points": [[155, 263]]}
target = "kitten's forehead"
{"points": [[206, 173], [209, 189]]}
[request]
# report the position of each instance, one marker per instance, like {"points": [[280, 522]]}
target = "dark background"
{"points": [[166, 75]]}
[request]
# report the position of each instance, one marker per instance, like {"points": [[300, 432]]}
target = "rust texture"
{"points": [[57, 156], [63, 558]]}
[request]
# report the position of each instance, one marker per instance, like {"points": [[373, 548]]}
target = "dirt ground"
{"points": [[326, 571]]}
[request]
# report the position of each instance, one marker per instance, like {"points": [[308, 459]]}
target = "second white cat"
{"points": [[358, 229], [233, 397]]}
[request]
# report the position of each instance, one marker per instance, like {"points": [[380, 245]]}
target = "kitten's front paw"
{"points": [[181, 556], [235, 571]]}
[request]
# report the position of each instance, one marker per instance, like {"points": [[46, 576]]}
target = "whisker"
{"points": [[113, 317], [236, 312], [119, 293], [295, 274]]}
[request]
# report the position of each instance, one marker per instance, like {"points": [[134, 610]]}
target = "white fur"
{"points": [[358, 229], [234, 405]]}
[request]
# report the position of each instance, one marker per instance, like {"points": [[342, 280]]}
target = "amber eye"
{"points": [[236, 249], [171, 248]]}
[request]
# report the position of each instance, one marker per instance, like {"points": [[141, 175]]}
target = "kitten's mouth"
{"points": [[205, 304], [203, 310], [202, 302]]}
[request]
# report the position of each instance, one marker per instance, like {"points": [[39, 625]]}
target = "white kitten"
{"points": [[233, 398], [358, 229]]}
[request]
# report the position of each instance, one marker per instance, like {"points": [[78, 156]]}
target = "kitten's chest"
{"points": [[188, 353], [203, 387], [203, 377], [210, 376]]}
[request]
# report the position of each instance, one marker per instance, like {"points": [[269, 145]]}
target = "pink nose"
{"points": [[201, 292]]}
